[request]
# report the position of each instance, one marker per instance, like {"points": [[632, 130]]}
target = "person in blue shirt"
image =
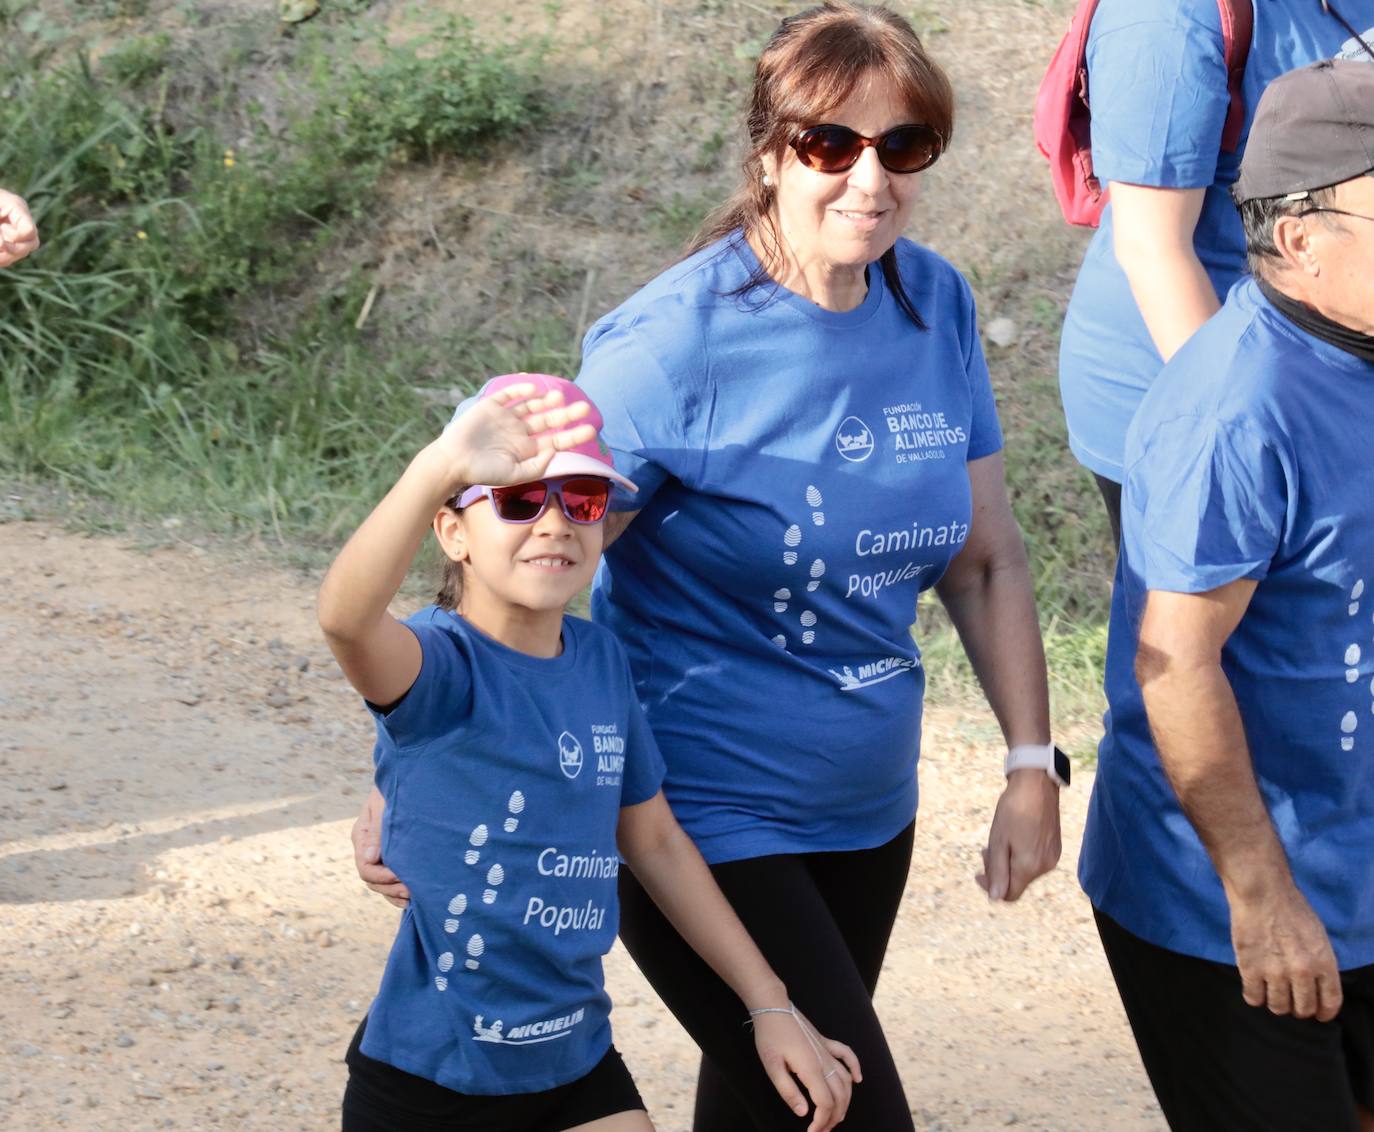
{"points": [[1170, 245], [805, 408], [519, 771], [1229, 848]]}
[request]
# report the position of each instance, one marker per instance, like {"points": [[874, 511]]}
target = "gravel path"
{"points": [[186, 945]]}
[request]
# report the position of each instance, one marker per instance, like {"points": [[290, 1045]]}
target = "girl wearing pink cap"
{"points": [[804, 406], [518, 771]]}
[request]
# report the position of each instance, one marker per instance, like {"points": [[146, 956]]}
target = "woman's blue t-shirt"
{"points": [[1158, 85], [504, 775], [803, 476]]}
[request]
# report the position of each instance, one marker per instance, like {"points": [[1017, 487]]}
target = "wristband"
{"points": [[1040, 756]]}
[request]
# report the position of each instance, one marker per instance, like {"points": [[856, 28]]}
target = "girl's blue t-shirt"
{"points": [[1249, 459], [1158, 86], [803, 476], [504, 775]]}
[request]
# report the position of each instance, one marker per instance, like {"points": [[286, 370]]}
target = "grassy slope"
{"points": [[214, 368]]}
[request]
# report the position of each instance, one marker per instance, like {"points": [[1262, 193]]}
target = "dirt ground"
{"points": [[186, 945]]}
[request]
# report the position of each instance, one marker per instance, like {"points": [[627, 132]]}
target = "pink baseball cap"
{"points": [[591, 457]]}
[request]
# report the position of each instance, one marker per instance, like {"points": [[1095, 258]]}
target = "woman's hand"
{"points": [[18, 233], [789, 1046], [988, 593], [1023, 842], [511, 436], [367, 852]]}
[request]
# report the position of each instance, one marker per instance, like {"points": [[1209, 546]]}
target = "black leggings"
{"points": [[1111, 497], [823, 922]]}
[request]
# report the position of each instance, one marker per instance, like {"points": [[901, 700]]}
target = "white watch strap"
{"points": [[1036, 756]]}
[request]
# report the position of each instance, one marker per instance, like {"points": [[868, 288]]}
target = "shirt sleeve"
{"points": [[440, 696], [1205, 503], [640, 409], [985, 431], [1158, 93]]}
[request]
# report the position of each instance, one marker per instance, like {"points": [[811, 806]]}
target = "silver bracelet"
{"points": [[791, 1009]]}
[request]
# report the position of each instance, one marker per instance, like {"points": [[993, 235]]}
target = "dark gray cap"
{"points": [[1314, 127]]}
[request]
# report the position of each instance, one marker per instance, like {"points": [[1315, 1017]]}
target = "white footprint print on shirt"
{"points": [[817, 573], [456, 907], [478, 839], [815, 501], [495, 875], [1353, 653], [782, 596], [516, 805]]}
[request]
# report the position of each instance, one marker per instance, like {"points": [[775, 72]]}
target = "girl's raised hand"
{"points": [[790, 1047], [511, 435]]}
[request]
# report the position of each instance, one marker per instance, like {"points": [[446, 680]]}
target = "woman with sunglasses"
{"points": [[804, 406], [519, 771]]}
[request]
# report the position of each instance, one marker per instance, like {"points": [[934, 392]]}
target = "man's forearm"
{"points": [[1198, 732]]}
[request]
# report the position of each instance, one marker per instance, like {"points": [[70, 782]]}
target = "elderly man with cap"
{"points": [[1229, 854]]}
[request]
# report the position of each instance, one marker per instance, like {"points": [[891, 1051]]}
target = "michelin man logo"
{"points": [[569, 754], [854, 440]]}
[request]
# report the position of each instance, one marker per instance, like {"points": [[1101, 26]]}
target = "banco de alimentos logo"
{"points": [[569, 754], [854, 440]]}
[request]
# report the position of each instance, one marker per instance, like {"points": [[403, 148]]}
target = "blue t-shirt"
{"points": [[803, 477], [1249, 458], [1157, 78], [504, 775]]}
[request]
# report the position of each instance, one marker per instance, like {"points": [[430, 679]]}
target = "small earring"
{"points": [[767, 181]]}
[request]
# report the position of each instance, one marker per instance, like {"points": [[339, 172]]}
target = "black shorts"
{"points": [[1218, 1064], [382, 1098]]}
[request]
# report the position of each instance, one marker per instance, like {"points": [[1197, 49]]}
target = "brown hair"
{"points": [[450, 586], [812, 64]]}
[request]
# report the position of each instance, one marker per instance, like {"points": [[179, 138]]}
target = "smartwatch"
{"points": [[1046, 757]]}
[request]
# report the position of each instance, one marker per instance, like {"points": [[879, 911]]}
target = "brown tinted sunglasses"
{"points": [[835, 149]]}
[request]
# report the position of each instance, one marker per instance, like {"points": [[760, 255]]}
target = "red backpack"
{"points": [[1062, 118]]}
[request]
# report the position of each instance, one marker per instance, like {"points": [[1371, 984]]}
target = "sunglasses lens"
{"points": [[521, 503], [909, 149], [829, 149], [584, 501]]}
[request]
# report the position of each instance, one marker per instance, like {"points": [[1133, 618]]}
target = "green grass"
{"points": [[132, 364]]}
